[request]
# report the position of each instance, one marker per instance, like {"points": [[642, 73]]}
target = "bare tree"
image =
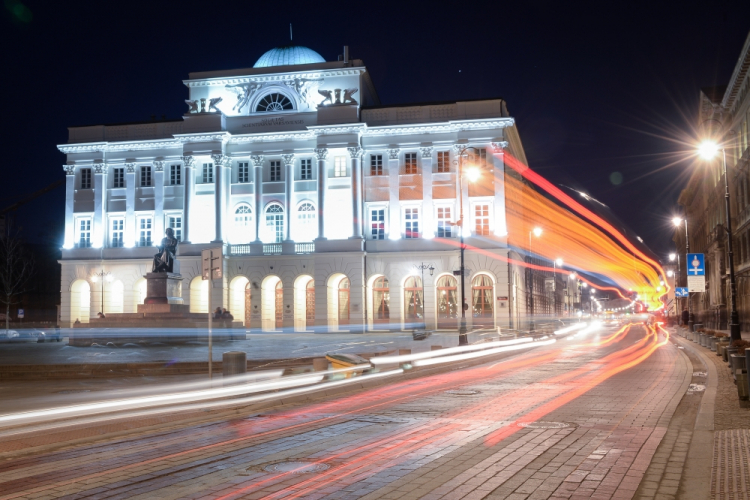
{"points": [[16, 270]]}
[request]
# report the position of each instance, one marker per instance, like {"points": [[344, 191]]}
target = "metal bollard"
{"points": [[233, 363], [320, 364]]}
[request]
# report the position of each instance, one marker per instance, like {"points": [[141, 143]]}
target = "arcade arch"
{"points": [[338, 300], [198, 295], [272, 303], [239, 299], [116, 298], [80, 301], [304, 302]]}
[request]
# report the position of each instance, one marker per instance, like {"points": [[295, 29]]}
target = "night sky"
{"points": [[605, 96]]}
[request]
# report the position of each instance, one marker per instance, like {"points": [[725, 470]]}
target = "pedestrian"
{"points": [[226, 318], [685, 317], [217, 313]]}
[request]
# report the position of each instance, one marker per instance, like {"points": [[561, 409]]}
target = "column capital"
{"points": [[393, 153], [288, 159], [188, 161], [158, 166], [98, 167], [221, 160], [69, 169], [356, 152], [498, 147], [130, 168], [257, 160], [321, 153], [426, 152]]}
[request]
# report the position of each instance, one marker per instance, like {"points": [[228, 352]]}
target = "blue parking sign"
{"points": [[696, 264], [681, 291]]}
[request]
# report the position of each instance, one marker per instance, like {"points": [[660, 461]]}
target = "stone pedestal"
{"points": [[163, 288]]}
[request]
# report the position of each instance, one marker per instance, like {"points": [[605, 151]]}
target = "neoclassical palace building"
{"points": [[332, 210]]}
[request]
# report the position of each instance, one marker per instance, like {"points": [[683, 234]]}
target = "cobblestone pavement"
{"points": [[582, 418]]}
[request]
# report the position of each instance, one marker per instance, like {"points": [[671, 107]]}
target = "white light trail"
{"points": [[471, 355], [406, 358]]}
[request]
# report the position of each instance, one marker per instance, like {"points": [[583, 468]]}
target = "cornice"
{"points": [[222, 137], [353, 128], [220, 81], [273, 137], [445, 127], [104, 147]]}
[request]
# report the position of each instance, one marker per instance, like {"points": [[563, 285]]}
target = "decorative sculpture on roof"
{"points": [[333, 97], [348, 93], [164, 260], [192, 105], [304, 87], [328, 94], [212, 104], [244, 92]]}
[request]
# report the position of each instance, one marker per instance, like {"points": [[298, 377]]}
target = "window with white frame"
{"points": [[478, 156], [84, 232], [175, 222], [243, 222], [443, 161], [118, 177], [410, 163], [339, 166], [145, 176], [85, 178], [275, 222], [482, 219], [377, 223], [208, 173], [275, 170], [411, 222], [376, 164], [305, 169], [144, 232], [117, 227], [307, 219], [444, 222], [175, 175], [243, 172]]}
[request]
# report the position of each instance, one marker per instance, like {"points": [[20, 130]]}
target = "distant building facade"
{"points": [[324, 202]]}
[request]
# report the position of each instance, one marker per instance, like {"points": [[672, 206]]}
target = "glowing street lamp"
{"points": [[105, 276]]}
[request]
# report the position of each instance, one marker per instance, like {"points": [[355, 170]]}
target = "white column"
{"points": [[394, 206], [356, 156], [220, 194], [322, 153], [130, 229], [258, 186], [189, 163], [70, 192], [498, 162], [428, 212], [288, 196], [158, 200], [100, 200]]}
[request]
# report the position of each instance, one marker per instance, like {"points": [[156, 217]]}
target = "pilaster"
{"points": [[258, 187], [100, 204], [355, 154], [428, 212], [322, 154], [394, 206], [189, 163], [498, 162], [158, 200], [220, 194], [70, 192], [131, 230], [288, 196]]}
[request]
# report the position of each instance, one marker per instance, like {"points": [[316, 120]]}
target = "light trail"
{"points": [[405, 358]]}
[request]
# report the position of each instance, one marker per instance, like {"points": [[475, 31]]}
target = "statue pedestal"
{"points": [[163, 288]]}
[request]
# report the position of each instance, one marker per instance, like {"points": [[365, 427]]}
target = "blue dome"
{"points": [[287, 56]]}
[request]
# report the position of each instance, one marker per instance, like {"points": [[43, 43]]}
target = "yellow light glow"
{"points": [[677, 221], [708, 149], [473, 174], [537, 231]]}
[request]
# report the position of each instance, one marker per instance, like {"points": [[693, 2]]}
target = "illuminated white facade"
{"points": [[324, 201]]}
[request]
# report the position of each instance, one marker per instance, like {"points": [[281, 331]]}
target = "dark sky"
{"points": [[596, 89]]}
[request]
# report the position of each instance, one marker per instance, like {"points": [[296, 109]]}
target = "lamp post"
{"points": [[103, 276], [537, 231], [473, 175], [422, 267], [678, 222], [708, 150]]}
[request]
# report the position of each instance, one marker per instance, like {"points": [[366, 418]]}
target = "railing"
{"points": [[272, 249], [239, 249], [304, 248]]}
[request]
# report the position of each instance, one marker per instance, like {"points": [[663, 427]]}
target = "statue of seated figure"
{"points": [[164, 260]]}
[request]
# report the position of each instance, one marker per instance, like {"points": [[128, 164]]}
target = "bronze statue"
{"points": [[164, 260]]}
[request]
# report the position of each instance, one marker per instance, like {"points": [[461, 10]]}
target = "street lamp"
{"points": [[677, 223], [708, 150], [472, 174], [537, 231], [104, 276], [422, 267]]}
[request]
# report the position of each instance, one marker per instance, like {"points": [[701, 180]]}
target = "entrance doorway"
{"points": [[381, 299], [482, 297], [447, 302]]}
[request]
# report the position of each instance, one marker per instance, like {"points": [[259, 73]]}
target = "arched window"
{"points": [[381, 299], [310, 303], [481, 300], [344, 301], [248, 303], [274, 102], [413, 304], [306, 217], [279, 305], [447, 301], [275, 222], [243, 216]]}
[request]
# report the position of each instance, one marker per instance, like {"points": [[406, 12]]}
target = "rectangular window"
{"points": [[478, 157], [145, 176], [444, 222], [118, 178], [482, 220], [175, 222], [376, 164], [144, 232], [208, 173], [339, 166], [84, 232], [377, 224], [85, 178], [411, 223], [410, 163], [175, 175], [305, 169], [443, 161], [275, 170], [117, 226], [243, 172]]}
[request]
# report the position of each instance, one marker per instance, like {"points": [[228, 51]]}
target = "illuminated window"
{"points": [[377, 224], [84, 233], [411, 223], [85, 178], [144, 232], [443, 161], [275, 222], [175, 222], [243, 172], [145, 176], [381, 300], [118, 178], [482, 219], [305, 169], [243, 221], [444, 222], [410, 163], [208, 173], [274, 102], [307, 217], [413, 303], [310, 303], [175, 175], [339, 166], [344, 301], [478, 157], [275, 170], [116, 232], [376, 164]]}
